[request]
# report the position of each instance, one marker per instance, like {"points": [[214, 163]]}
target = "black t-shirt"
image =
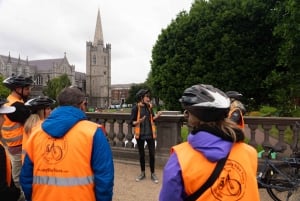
{"points": [[21, 114], [145, 126]]}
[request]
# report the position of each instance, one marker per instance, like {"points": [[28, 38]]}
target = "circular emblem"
{"points": [[231, 183], [55, 150]]}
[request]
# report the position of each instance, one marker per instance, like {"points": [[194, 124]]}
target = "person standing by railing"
{"points": [[40, 108], [214, 156], [142, 118], [13, 125], [69, 157]]}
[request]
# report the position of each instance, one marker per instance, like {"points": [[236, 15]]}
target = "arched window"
{"points": [[94, 59], [39, 80]]}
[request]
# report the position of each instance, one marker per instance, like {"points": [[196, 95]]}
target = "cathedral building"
{"points": [[98, 69], [96, 82]]}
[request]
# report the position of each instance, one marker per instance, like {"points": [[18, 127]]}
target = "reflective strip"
{"points": [[10, 128], [75, 181], [13, 139]]}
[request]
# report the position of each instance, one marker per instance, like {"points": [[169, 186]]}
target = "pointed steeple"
{"points": [[9, 59], [19, 60], [98, 38]]}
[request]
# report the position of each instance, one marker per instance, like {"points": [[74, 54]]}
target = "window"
{"points": [[94, 59], [39, 80]]}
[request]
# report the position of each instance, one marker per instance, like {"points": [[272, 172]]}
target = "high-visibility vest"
{"points": [[241, 124], [237, 180], [54, 173], [34, 129], [12, 132], [137, 128]]}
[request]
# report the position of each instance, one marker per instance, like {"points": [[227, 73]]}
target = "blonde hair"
{"points": [[33, 119], [226, 125], [237, 104]]}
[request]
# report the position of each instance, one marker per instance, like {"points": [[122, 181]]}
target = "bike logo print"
{"points": [[231, 182], [55, 150]]}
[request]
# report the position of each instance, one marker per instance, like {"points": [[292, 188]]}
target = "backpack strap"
{"points": [[214, 175]]}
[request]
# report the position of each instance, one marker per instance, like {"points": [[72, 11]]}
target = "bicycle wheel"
{"points": [[281, 188]]}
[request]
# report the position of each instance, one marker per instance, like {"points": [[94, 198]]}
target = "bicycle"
{"points": [[281, 178]]}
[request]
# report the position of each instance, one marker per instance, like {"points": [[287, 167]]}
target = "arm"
{"points": [[157, 115], [26, 177], [103, 167], [21, 113], [172, 186]]}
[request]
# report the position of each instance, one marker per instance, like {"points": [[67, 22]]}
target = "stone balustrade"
{"points": [[120, 133]]}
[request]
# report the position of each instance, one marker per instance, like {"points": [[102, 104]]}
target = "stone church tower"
{"points": [[98, 69]]}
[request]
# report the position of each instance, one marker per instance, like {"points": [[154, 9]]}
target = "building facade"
{"points": [[96, 82], [98, 69], [40, 70]]}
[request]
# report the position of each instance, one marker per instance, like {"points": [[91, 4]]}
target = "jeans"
{"points": [[151, 148]]}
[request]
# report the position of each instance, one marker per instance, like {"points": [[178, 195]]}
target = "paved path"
{"points": [[127, 189]]}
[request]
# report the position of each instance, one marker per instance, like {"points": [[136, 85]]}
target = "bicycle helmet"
{"points": [[205, 102], [14, 82], [6, 109], [141, 93], [38, 103], [234, 95]]}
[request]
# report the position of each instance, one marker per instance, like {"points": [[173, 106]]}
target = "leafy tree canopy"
{"points": [[4, 91], [55, 85], [251, 46]]}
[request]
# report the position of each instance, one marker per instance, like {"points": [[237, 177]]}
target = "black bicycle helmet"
{"points": [[141, 93], [205, 102], [39, 103], [234, 95], [17, 81]]}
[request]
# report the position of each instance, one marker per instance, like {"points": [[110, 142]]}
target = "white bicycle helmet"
{"points": [[205, 102]]}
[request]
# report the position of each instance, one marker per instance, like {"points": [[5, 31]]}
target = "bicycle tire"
{"points": [[280, 187]]}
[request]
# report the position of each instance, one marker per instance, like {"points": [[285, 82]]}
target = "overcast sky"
{"points": [[45, 29]]}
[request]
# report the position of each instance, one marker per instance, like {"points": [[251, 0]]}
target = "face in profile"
{"points": [[25, 91]]}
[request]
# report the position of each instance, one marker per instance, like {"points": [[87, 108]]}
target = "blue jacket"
{"points": [[60, 121], [211, 146]]}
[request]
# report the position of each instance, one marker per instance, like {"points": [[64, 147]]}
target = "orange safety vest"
{"points": [[8, 166], [237, 180], [54, 174], [137, 128], [34, 129], [242, 122], [12, 132]]}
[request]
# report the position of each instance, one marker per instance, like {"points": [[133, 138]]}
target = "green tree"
{"points": [[4, 91], [231, 44], [55, 85]]}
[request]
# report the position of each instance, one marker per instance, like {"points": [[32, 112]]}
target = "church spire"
{"points": [[98, 38], [9, 59]]}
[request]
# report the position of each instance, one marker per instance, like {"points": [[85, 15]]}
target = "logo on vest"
{"points": [[231, 183], [55, 150]]}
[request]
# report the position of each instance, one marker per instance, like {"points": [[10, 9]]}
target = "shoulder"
{"points": [[247, 148]]}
